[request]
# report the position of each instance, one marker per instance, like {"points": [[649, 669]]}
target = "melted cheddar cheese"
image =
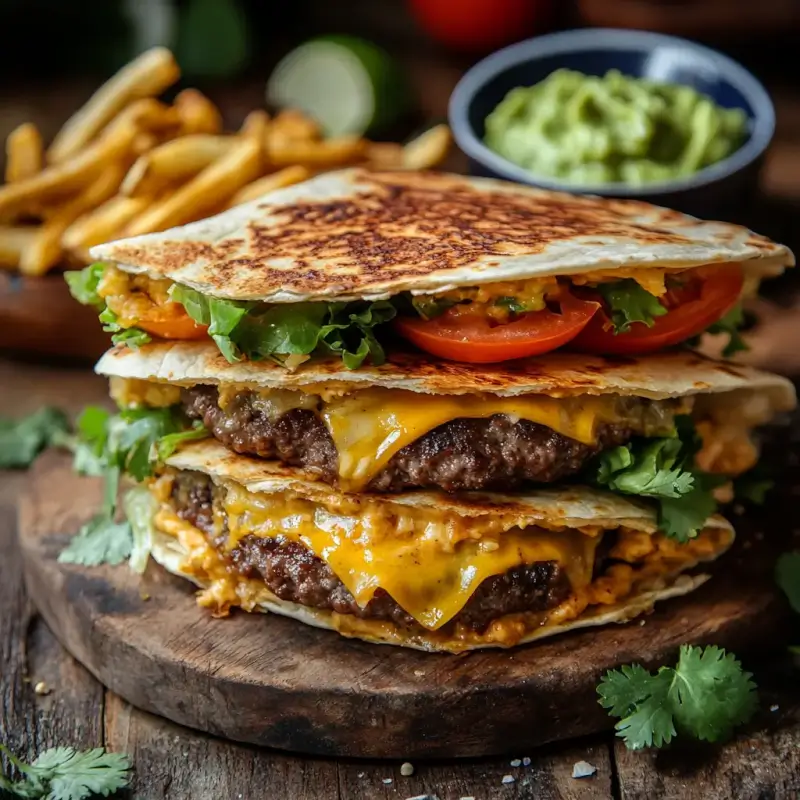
{"points": [[371, 426], [428, 562]]}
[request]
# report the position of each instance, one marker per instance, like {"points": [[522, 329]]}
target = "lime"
{"points": [[349, 85]]}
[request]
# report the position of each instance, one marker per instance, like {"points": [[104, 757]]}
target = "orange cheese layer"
{"points": [[430, 563]]}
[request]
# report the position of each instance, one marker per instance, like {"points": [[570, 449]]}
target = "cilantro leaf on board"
{"points": [[23, 439], [753, 486], [705, 696], [63, 773], [628, 302], [787, 576]]}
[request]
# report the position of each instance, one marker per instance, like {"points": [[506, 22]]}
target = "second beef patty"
{"points": [[497, 453]]}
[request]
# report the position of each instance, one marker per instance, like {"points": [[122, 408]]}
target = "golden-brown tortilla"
{"points": [[657, 376], [354, 234]]}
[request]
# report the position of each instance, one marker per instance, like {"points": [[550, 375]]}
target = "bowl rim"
{"points": [[586, 39]]}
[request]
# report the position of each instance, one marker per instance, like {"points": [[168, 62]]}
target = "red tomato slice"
{"points": [[477, 339], [690, 311], [182, 327]]}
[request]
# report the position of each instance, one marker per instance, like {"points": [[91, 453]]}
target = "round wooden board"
{"points": [[275, 682], [38, 316]]}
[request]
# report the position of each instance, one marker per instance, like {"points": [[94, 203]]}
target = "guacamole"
{"points": [[585, 129]]}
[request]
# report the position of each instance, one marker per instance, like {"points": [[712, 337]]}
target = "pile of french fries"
{"points": [[127, 163]]}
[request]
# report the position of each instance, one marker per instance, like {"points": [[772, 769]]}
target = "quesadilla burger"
{"points": [[418, 569], [466, 269]]}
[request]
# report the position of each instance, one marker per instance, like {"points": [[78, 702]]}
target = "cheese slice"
{"points": [[369, 427], [430, 563]]}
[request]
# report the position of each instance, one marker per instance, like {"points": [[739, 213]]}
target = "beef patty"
{"points": [[460, 455], [295, 574]]}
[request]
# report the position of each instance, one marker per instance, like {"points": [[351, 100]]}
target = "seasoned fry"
{"points": [[174, 162], [277, 180], [317, 155], [384, 155], [14, 240], [104, 223], [45, 250], [146, 76], [114, 144], [197, 113], [296, 126], [428, 150], [222, 179], [24, 153]]}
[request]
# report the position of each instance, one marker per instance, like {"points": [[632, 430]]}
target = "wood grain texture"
{"points": [[72, 712], [274, 682]]}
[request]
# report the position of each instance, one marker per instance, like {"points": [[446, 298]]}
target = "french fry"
{"points": [[220, 180], [316, 155], [114, 144], [102, 224], [197, 113], [174, 162], [45, 250], [14, 240], [255, 125], [146, 76], [296, 126], [384, 155], [268, 183], [24, 153], [428, 150]]}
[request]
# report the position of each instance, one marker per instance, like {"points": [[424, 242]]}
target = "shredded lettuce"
{"points": [[257, 331], [140, 509], [628, 302], [83, 285], [662, 469]]}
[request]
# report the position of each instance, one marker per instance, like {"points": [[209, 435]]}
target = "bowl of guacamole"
{"points": [[618, 113]]}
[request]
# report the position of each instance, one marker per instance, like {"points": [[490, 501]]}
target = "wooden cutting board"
{"points": [[275, 682]]}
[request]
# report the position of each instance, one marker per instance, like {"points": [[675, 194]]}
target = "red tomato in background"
{"points": [[481, 25]]}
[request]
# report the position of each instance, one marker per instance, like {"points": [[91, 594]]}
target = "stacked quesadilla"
{"points": [[434, 411]]}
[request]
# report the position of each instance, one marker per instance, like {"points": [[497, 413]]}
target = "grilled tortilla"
{"points": [[354, 235], [419, 569], [411, 423]]}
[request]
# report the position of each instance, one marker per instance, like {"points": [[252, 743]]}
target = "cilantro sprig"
{"points": [[628, 302], [63, 773], [23, 439], [705, 696], [663, 470], [787, 576], [130, 442]]}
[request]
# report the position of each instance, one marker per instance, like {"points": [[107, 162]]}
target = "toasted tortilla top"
{"points": [[657, 376], [569, 506], [353, 234]]}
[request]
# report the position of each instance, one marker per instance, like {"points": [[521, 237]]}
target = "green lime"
{"points": [[349, 85]]}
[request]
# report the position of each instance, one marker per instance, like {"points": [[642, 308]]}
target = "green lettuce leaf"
{"points": [[628, 302], [131, 442], [140, 509], [244, 329], [83, 285], [730, 324]]}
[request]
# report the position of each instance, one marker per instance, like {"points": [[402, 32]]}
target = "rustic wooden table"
{"points": [[175, 763]]}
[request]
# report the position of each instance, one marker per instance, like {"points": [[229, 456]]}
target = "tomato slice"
{"points": [[475, 338], [178, 327], [690, 310]]}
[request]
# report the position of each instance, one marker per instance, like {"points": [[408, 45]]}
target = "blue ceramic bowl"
{"points": [[722, 190]]}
